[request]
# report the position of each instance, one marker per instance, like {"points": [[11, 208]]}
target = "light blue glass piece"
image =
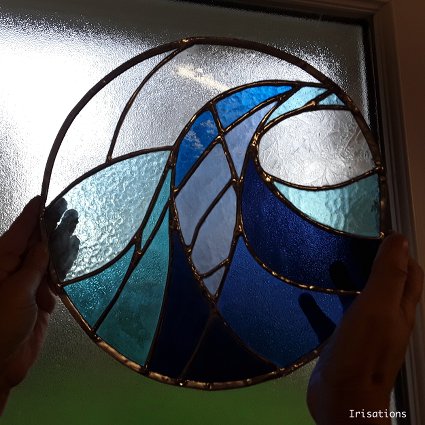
{"points": [[131, 324], [239, 137], [111, 205], [202, 132], [212, 245], [333, 99], [91, 296], [213, 282], [237, 104], [299, 99], [163, 197], [200, 190], [352, 209]]}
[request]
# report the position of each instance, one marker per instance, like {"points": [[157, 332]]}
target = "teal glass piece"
{"points": [[202, 132], [110, 205], [131, 324], [353, 208], [297, 100], [333, 99], [163, 197], [237, 104], [213, 282], [91, 296], [239, 137]]}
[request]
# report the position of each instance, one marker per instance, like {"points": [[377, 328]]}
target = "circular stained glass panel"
{"points": [[212, 226]]}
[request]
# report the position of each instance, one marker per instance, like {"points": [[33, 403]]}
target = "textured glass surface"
{"points": [[353, 208], [330, 149], [253, 299], [201, 189], [191, 79], [91, 296], [235, 105], [240, 136], [163, 198], [213, 282], [297, 100], [333, 99], [212, 245], [131, 324], [66, 56], [300, 250], [202, 132], [111, 205]]}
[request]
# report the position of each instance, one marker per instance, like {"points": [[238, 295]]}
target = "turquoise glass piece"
{"points": [[333, 99], [201, 189], [111, 205], [212, 245], [163, 197], [239, 137], [91, 296], [297, 100], [213, 282], [237, 104], [202, 132], [131, 324], [353, 208]]}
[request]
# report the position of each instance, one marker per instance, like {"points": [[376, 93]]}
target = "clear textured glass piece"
{"points": [[316, 148], [213, 282], [237, 104], [202, 132], [91, 296], [265, 312], [111, 205], [131, 324], [240, 136], [353, 208], [212, 245], [333, 99], [297, 100], [201, 189], [163, 198]]}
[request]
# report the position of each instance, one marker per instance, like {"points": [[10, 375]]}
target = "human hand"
{"points": [[25, 298], [358, 366]]}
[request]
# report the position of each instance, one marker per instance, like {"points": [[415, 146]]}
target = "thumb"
{"points": [[30, 275]]}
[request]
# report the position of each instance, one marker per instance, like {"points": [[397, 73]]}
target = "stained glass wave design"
{"points": [[229, 257]]}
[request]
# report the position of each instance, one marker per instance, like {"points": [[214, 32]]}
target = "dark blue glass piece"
{"points": [[239, 137], [185, 315], [237, 104], [131, 324], [92, 295], [293, 246], [202, 132], [267, 314], [221, 357]]}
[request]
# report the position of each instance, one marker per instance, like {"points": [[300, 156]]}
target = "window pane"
{"points": [[51, 60]]}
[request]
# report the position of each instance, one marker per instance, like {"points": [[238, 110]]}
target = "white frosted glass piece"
{"points": [[239, 137], [201, 189], [297, 100], [212, 245], [182, 86], [213, 282], [316, 148], [111, 205]]}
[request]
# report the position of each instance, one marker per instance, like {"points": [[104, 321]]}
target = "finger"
{"points": [[29, 277], [412, 291], [45, 298], [15, 240], [389, 273]]}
